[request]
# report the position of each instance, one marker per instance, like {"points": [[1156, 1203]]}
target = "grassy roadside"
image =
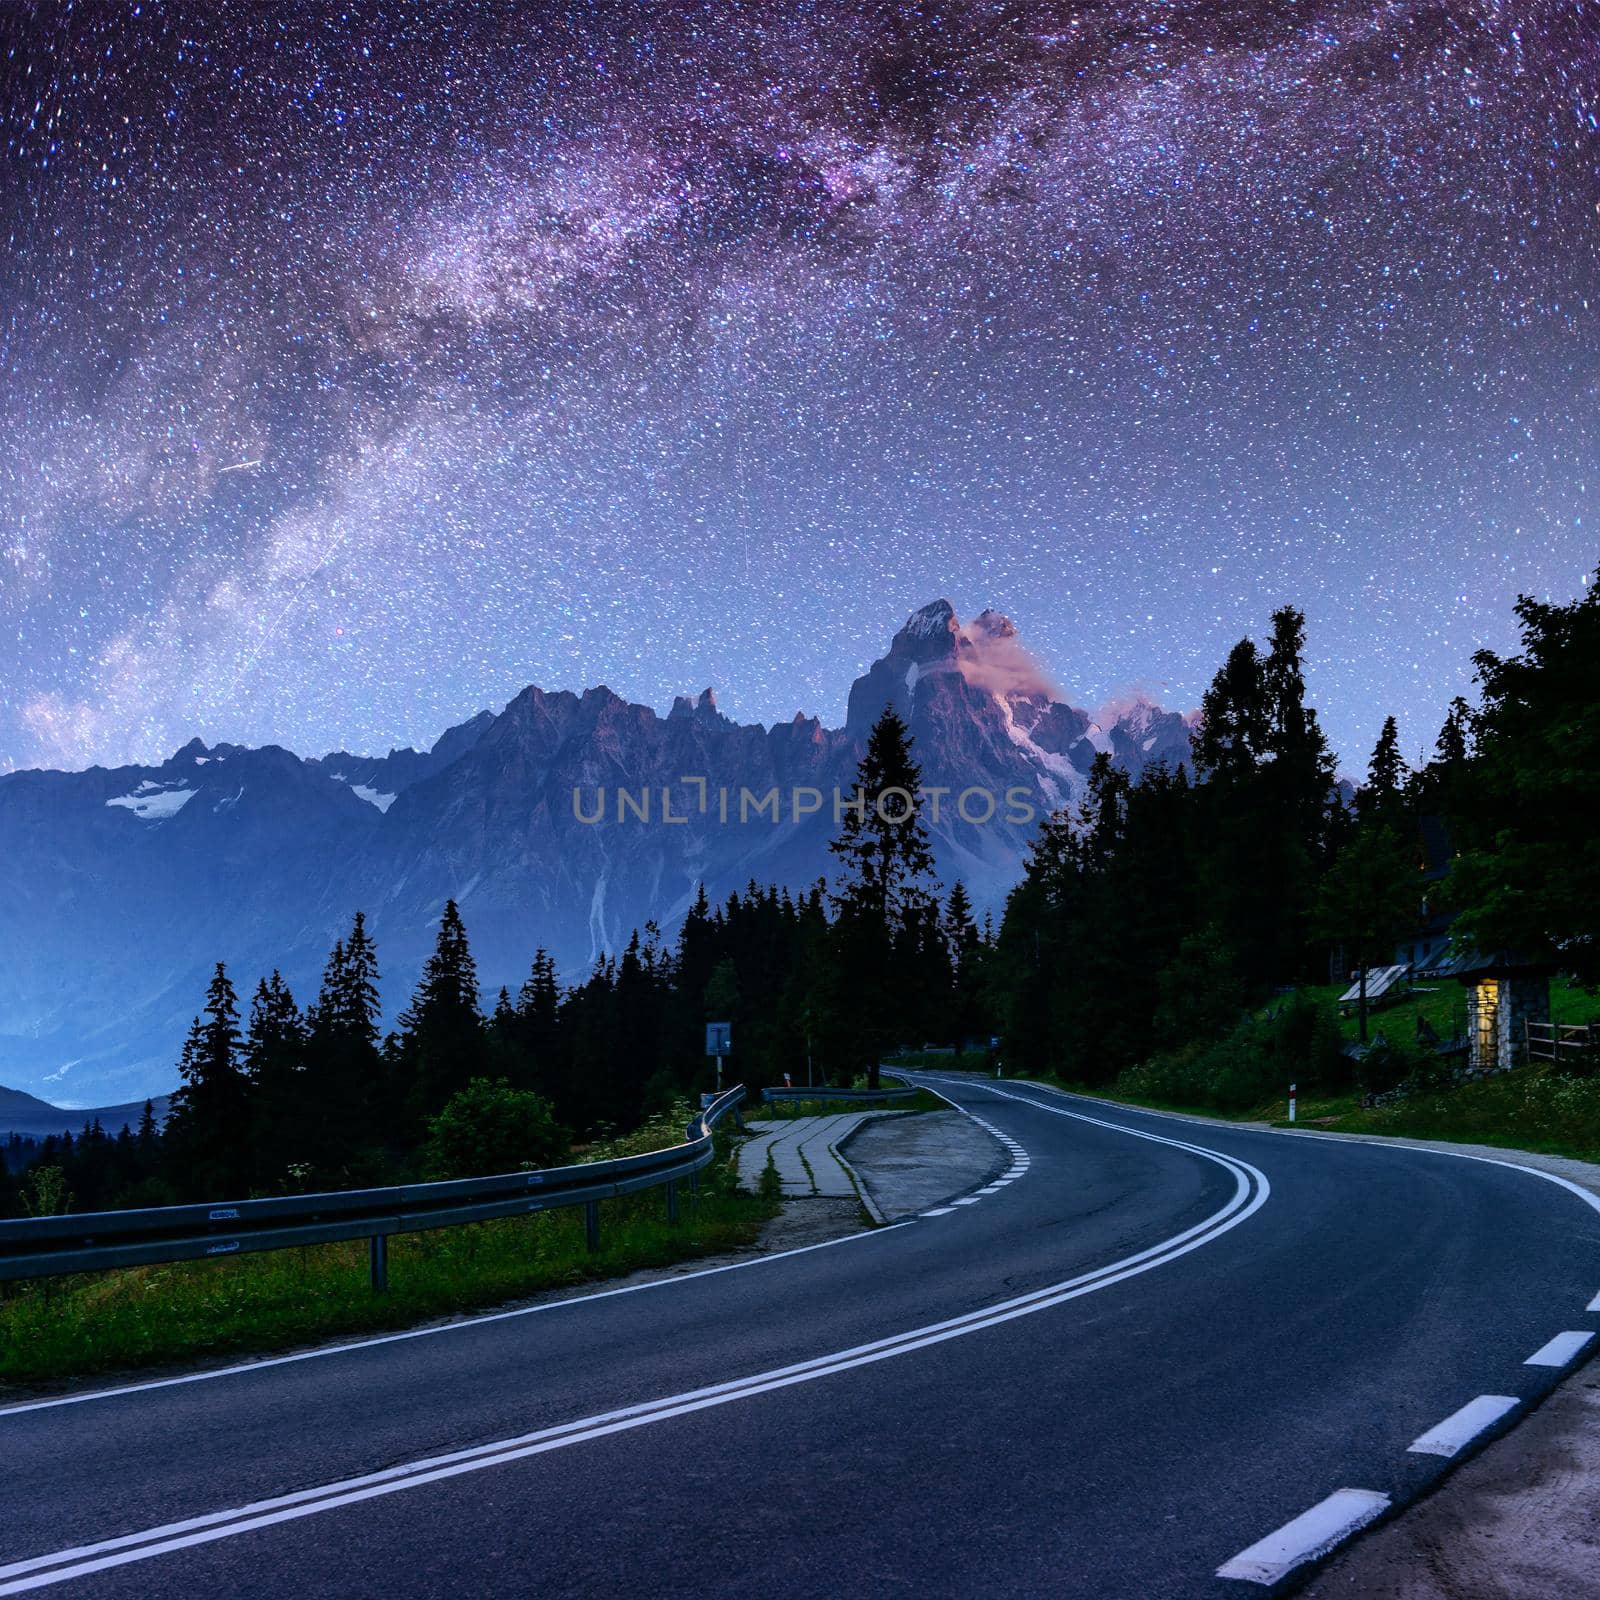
{"points": [[198, 1310], [1530, 1108]]}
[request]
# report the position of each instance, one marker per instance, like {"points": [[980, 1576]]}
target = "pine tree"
{"points": [[1268, 805], [884, 899], [1454, 744], [441, 1031], [148, 1136], [1232, 736], [1303, 764], [1386, 772], [885, 855], [325, 1017], [540, 994], [359, 1003], [344, 1067], [1384, 793], [541, 1061], [1442, 787], [275, 1049], [959, 927], [505, 1014], [207, 1132]]}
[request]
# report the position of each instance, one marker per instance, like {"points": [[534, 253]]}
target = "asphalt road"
{"points": [[1151, 1345]]}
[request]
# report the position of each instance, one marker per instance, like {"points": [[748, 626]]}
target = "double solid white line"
{"points": [[19, 1577]]}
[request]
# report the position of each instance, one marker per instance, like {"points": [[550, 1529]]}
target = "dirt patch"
{"points": [[1520, 1522], [811, 1221]]}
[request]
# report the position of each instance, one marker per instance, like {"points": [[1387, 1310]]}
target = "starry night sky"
{"points": [[665, 345]]}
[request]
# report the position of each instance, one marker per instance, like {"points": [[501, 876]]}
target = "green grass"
{"points": [[1443, 1004], [1531, 1108], [199, 1310]]}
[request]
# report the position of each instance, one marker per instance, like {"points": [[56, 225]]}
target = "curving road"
{"points": [[1145, 1348]]}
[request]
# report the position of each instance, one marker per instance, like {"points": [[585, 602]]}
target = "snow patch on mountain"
{"points": [[1058, 780], [154, 803]]}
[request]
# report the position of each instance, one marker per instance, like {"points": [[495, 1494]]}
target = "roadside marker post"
{"points": [[1292, 1088]]}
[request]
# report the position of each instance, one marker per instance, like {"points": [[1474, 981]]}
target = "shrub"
{"points": [[1256, 1060], [489, 1128], [1384, 1067]]}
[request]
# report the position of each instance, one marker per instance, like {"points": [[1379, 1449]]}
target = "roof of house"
{"points": [[1469, 963]]}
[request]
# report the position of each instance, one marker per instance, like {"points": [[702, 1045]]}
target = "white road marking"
{"points": [[971, 1200], [1311, 1534], [1593, 1305], [939, 1211], [1460, 1428], [1587, 1196], [1251, 1191], [1559, 1351]]}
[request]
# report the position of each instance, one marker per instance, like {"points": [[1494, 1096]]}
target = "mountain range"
{"points": [[123, 886]]}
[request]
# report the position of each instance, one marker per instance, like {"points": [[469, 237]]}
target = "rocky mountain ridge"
{"points": [[127, 884]]}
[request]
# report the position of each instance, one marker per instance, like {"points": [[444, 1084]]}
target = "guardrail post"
{"points": [[378, 1261], [591, 1223], [694, 1187], [672, 1200]]}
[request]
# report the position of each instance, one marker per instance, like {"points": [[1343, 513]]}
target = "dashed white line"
{"points": [[1593, 1305], [1460, 1428], [1311, 1534], [1560, 1350], [1019, 1165]]}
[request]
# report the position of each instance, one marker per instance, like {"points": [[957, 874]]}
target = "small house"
{"points": [[1505, 992]]}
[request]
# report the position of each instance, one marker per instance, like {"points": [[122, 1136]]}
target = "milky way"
{"points": [[364, 364]]}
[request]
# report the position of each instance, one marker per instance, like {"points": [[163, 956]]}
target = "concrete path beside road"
{"points": [[805, 1152]]}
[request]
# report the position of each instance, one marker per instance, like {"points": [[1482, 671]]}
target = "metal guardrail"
{"points": [[844, 1096], [40, 1247]]}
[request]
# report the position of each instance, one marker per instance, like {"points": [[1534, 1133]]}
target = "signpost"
{"points": [[719, 1044]]}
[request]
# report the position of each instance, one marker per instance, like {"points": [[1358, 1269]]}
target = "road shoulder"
{"points": [[1585, 1174], [1520, 1521], [907, 1165]]}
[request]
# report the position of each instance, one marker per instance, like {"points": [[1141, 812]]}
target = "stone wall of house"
{"points": [[1522, 1000]]}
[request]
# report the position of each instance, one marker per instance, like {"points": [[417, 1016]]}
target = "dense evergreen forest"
{"points": [[1161, 935]]}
